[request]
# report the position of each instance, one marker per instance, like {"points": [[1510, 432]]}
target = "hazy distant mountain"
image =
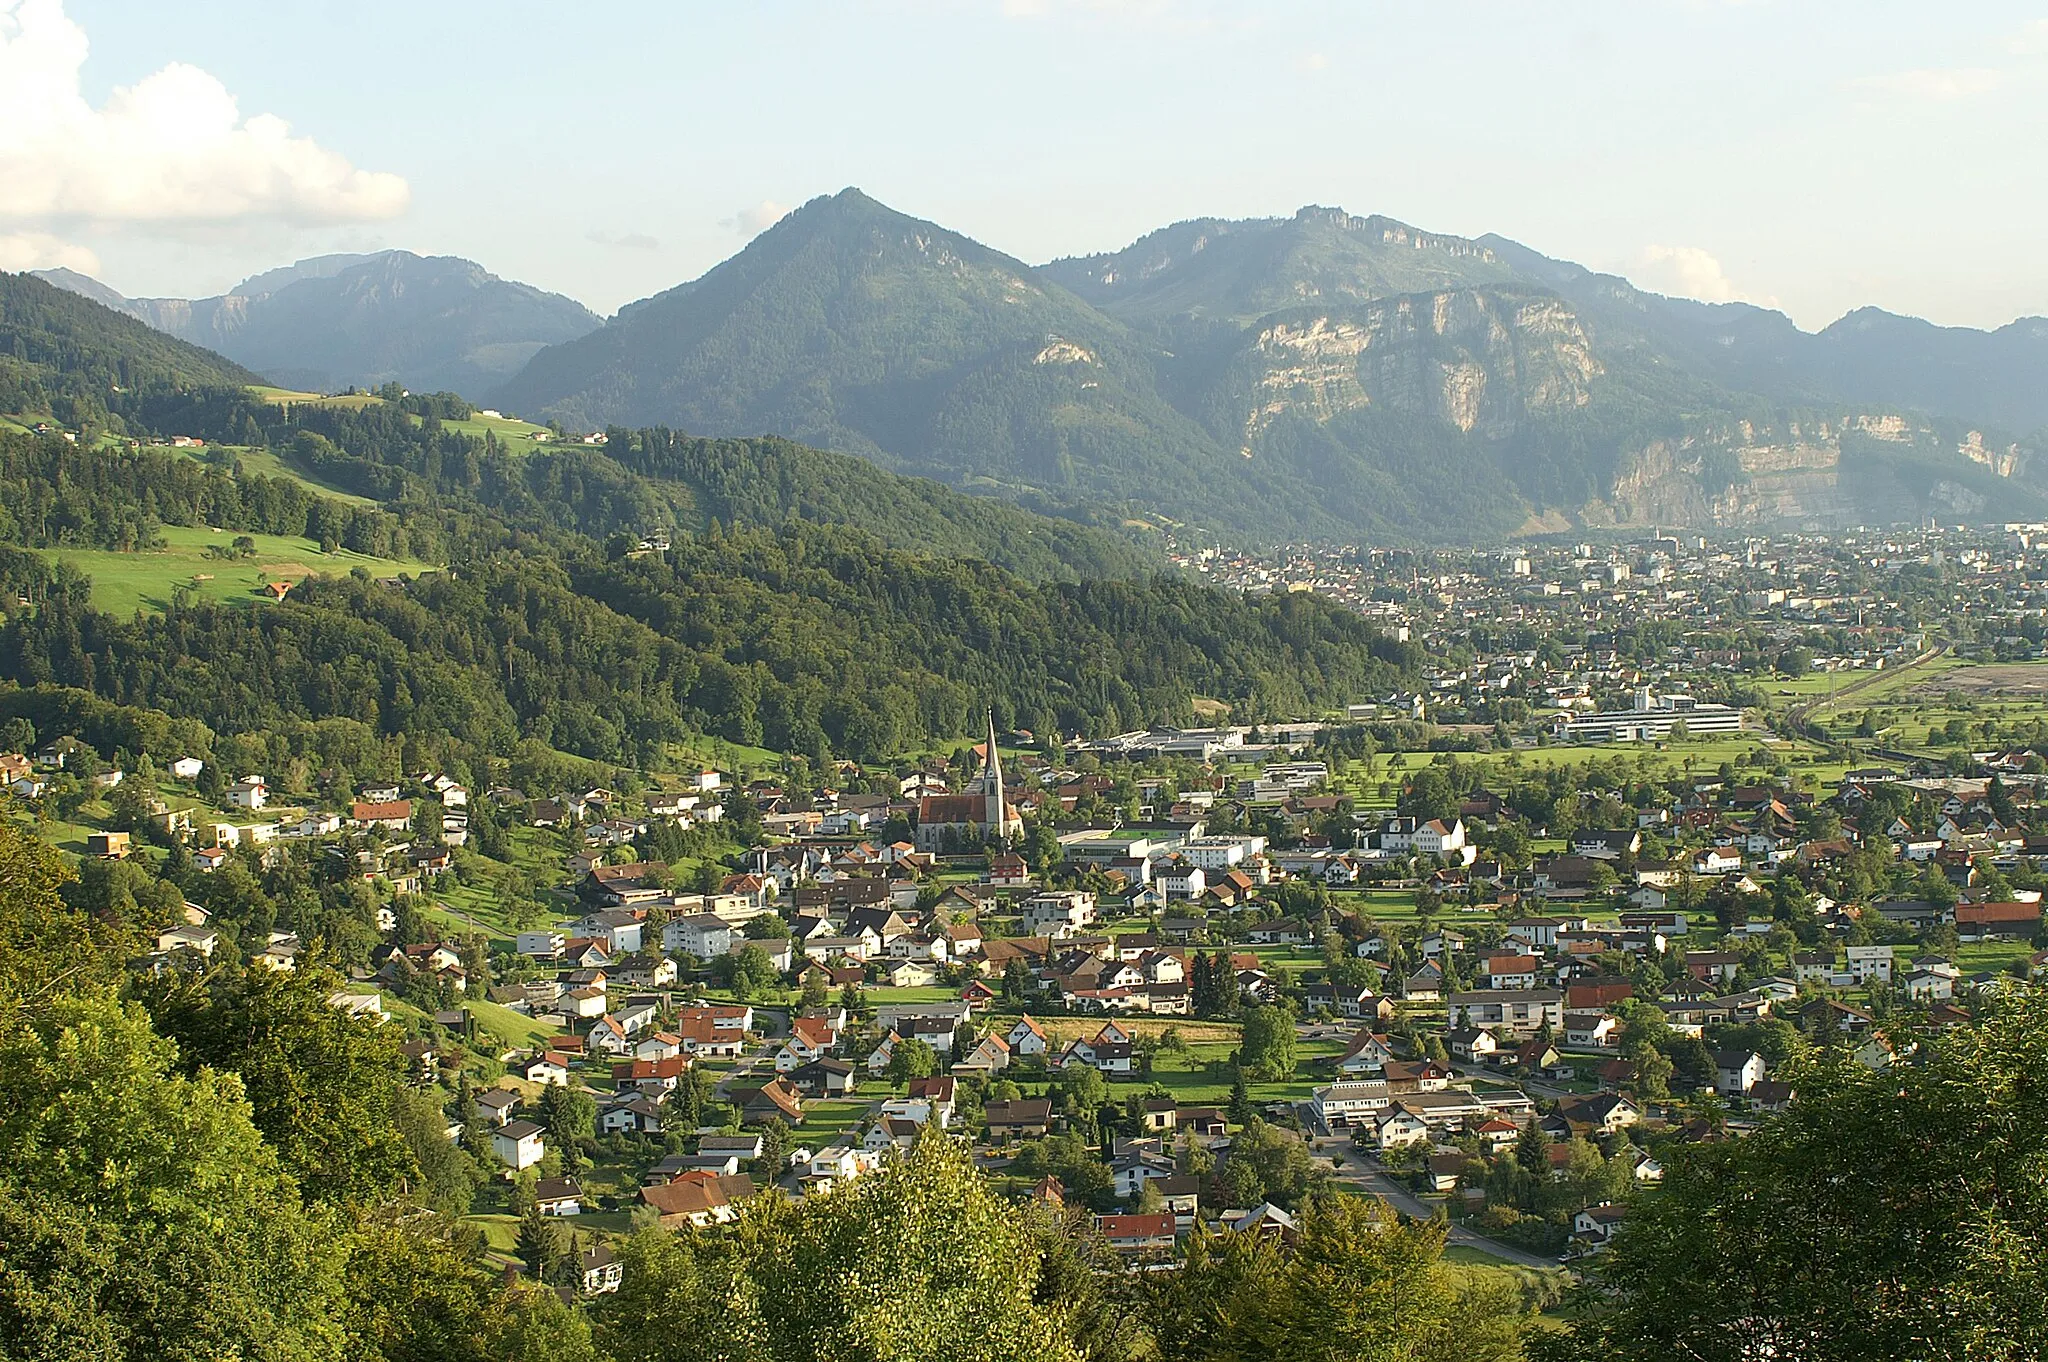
{"points": [[1322, 374], [430, 322]]}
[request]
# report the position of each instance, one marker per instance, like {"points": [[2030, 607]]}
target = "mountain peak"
{"points": [[85, 286]]}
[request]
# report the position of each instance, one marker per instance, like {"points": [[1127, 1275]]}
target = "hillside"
{"points": [[767, 482], [58, 346], [550, 627], [1323, 375], [1239, 271], [817, 640], [109, 373], [638, 482], [432, 323]]}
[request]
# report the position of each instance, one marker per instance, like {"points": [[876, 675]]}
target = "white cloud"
{"points": [[2030, 39], [21, 251], [751, 222], [1936, 83], [1312, 61], [171, 148], [1685, 272]]}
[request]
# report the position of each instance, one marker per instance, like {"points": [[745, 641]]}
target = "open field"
{"points": [[123, 583], [292, 397], [1866, 688], [1060, 1030], [514, 434], [1981, 679]]}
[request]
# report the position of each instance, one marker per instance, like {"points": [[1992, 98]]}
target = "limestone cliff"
{"points": [[1480, 360], [1859, 466]]}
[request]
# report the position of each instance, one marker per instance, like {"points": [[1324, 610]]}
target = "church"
{"points": [[944, 822]]}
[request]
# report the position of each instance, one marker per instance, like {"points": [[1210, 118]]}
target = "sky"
{"points": [[1810, 155]]}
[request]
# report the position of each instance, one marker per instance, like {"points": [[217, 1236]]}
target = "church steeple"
{"points": [[992, 783]]}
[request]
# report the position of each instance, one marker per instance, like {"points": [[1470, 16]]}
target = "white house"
{"points": [[518, 1144], [544, 944], [250, 792], [1396, 1126], [1737, 1071], [187, 768], [1060, 913], [1590, 1030], [1347, 1104], [1181, 881], [1027, 1037], [1869, 962], [1438, 838]]}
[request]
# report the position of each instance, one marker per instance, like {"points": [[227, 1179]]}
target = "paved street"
{"points": [[1359, 1173]]}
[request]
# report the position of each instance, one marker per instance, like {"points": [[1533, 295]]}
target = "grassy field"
{"points": [[292, 397], [1667, 760], [2009, 696], [513, 434], [123, 583]]}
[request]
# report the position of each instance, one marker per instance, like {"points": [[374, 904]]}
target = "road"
{"points": [[1360, 1174], [1376, 1182]]}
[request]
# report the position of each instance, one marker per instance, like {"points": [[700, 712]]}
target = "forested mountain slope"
{"points": [[58, 347], [550, 627]]}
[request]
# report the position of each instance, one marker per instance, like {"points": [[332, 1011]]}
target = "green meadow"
{"points": [[123, 583]]}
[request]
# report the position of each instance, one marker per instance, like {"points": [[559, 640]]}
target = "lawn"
{"points": [[1998, 956], [827, 1118], [518, 1031], [910, 997], [123, 583]]}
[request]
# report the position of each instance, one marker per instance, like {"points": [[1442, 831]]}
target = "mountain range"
{"points": [[433, 323], [1323, 375]]}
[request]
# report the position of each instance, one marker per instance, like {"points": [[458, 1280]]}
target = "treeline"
{"points": [[807, 639]]}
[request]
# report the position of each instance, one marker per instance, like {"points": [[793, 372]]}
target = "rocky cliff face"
{"points": [[1862, 466], [1480, 360]]}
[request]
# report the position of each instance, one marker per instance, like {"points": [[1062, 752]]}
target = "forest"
{"points": [[817, 639]]}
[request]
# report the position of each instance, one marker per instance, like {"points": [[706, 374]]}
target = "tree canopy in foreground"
{"points": [[1898, 1213]]}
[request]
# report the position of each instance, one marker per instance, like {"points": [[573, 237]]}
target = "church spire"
{"points": [[992, 778]]}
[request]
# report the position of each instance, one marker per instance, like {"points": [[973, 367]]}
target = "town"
{"points": [[1179, 979]]}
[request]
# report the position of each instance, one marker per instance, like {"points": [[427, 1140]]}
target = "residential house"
{"points": [[519, 1144], [1737, 1072]]}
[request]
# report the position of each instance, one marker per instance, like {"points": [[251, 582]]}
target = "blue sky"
{"points": [[1817, 156]]}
